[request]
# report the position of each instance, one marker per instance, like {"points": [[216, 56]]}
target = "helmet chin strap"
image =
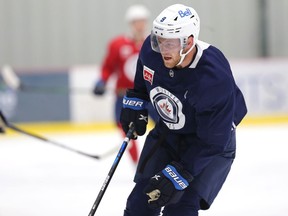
{"points": [[183, 55]]}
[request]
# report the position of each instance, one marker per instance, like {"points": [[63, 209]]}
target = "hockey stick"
{"points": [[11, 79], [4, 123], [129, 135]]}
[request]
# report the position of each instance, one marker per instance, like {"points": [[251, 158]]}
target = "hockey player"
{"points": [[121, 60], [188, 154]]}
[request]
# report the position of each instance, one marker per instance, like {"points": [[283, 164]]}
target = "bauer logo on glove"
{"points": [[179, 182], [133, 103]]}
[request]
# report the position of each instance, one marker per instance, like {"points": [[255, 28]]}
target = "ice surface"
{"points": [[37, 178]]}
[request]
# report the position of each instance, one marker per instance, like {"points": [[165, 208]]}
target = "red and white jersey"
{"points": [[121, 59]]}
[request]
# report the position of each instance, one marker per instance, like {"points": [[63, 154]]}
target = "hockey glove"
{"points": [[99, 88], [134, 110], [167, 186]]}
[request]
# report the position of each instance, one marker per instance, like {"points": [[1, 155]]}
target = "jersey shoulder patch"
{"points": [[148, 74]]}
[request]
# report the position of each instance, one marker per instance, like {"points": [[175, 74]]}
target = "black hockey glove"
{"points": [[134, 110], [167, 186], [99, 88]]}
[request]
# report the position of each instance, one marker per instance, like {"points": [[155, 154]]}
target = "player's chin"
{"points": [[169, 63]]}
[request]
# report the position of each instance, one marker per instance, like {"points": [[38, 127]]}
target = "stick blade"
{"points": [[10, 78]]}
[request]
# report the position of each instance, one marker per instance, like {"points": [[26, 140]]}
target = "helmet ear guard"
{"points": [[185, 41]]}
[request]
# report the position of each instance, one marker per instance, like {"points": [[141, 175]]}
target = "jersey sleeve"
{"points": [[139, 82], [110, 62], [215, 107], [214, 124], [214, 114]]}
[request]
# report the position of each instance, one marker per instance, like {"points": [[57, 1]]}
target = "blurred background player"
{"points": [[121, 59]]}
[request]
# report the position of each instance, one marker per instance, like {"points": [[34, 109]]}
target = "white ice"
{"points": [[37, 178]]}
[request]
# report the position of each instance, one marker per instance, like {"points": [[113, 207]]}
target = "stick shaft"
{"points": [[112, 170], [13, 127], [4, 123]]}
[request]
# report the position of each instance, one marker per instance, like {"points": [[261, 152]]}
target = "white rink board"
{"points": [[89, 107], [263, 82]]}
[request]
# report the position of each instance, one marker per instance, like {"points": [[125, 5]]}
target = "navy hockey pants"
{"points": [[207, 184]]}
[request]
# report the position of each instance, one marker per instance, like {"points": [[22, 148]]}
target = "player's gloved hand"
{"points": [[167, 186], [99, 88], [134, 110]]}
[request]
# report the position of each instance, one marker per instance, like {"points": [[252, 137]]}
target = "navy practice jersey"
{"points": [[200, 99]]}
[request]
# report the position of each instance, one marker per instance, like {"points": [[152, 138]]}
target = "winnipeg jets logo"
{"points": [[169, 107], [165, 107]]}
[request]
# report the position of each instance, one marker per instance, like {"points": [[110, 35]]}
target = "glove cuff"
{"points": [[177, 175], [182, 171], [132, 93], [134, 100]]}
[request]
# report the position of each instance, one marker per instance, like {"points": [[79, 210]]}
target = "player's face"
{"points": [[169, 49]]}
